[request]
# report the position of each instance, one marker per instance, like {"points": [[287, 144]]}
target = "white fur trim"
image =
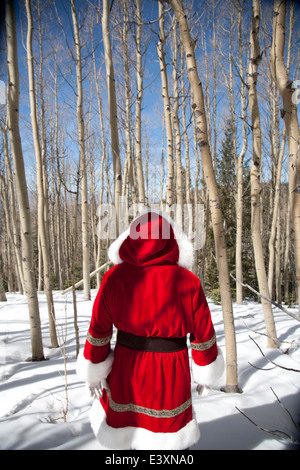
{"points": [[186, 249], [208, 375], [92, 373], [138, 438], [113, 251]]}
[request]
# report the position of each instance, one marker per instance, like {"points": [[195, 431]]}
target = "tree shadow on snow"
{"points": [[236, 432]]}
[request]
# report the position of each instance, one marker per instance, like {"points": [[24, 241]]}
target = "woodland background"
{"points": [[76, 151]]}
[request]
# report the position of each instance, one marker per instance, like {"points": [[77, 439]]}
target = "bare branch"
{"points": [[275, 432], [272, 362], [285, 310]]}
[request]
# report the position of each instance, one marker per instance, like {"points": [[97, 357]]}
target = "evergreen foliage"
{"points": [[226, 180]]}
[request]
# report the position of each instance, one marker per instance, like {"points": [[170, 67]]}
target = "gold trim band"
{"points": [[98, 341], [204, 346], [121, 408]]}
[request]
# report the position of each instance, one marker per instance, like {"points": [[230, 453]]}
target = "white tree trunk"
{"points": [[83, 170], [14, 225], [167, 107], [138, 106], [255, 177], [289, 113], [177, 133], [112, 104], [239, 171], [40, 181], [103, 147], [217, 220], [21, 186]]}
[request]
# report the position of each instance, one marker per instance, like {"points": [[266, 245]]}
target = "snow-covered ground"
{"points": [[33, 399]]}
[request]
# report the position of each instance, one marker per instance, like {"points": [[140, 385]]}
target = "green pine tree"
{"points": [[226, 180]]}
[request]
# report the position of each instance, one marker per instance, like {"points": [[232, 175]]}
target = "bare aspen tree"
{"points": [[7, 226], [239, 167], [214, 118], [82, 159], [278, 274], [206, 88], [286, 254], [238, 160], [2, 291], [289, 114], [199, 269], [177, 133], [103, 146], [92, 176], [138, 106], [129, 176], [167, 106], [205, 197], [40, 94], [217, 219], [255, 59], [275, 216], [187, 152], [12, 226], [112, 104], [40, 180], [21, 185], [161, 164], [59, 206], [286, 261]]}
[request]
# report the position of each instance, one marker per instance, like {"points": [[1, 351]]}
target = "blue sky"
{"points": [[152, 100]]}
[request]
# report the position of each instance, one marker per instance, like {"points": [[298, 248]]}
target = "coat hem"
{"points": [[129, 437]]}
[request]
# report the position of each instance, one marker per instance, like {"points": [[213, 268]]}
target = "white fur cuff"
{"points": [[208, 375], [91, 373]]}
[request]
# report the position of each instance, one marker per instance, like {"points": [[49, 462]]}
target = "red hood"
{"points": [[152, 238], [150, 241]]}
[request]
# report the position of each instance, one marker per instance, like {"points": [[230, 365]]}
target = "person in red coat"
{"points": [[142, 389]]}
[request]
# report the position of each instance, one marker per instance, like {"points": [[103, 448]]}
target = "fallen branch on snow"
{"points": [[281, 307], [291, 343], [276, 432], [272, 362], [91, 275]]}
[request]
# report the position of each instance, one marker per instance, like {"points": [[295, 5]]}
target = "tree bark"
{"points": [[138, 106], [167, 107], [289, 114], [21, 186], [255, 176], [217, 219], [177, 133], [40, 181], [128, 182], [188, 196], [60, 220], [82, 158], [112, 104], [103, 147], [239, 171], [2, 291], [275, 218], [13, 228]]}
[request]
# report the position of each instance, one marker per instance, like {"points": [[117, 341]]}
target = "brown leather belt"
{"points": [[151, 344]]}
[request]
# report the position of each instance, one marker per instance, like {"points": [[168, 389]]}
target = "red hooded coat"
{"points": [[146, 397]]}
